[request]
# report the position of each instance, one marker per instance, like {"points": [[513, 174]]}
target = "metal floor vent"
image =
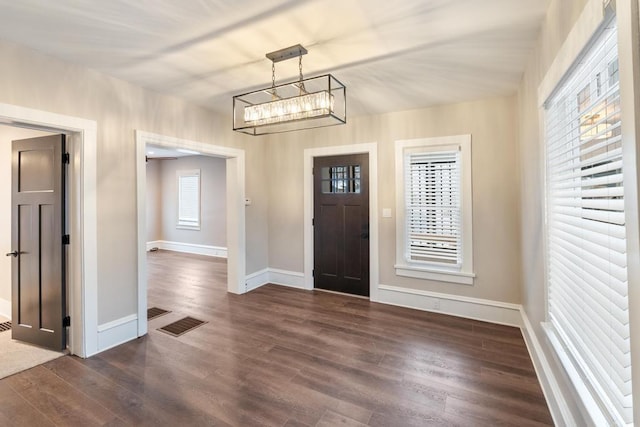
{"points": [[154, 312], [181, 326], [5, 326]]}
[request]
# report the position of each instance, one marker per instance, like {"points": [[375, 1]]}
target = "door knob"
{"points": [[13, 254], [365, 231]]}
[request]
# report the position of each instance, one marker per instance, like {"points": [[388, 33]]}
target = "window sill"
{"points": [[435, 274], [590, 408], [188, 227]]}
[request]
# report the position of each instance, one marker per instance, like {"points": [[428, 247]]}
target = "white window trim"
{"points": [[181, 223], [588, 24], [463, 275]]}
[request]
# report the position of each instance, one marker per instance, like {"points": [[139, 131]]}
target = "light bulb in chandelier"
{"points": [[303, 104]]}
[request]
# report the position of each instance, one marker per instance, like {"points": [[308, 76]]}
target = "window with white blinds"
{"points": [[434, 209], [189, 199], [586, 244]]}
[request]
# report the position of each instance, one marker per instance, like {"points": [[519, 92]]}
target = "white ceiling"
{"points": [[391, 55]]}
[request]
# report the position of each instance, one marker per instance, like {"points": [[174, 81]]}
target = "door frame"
{"points": [[82, 268], [371, 149], [236, 241]]}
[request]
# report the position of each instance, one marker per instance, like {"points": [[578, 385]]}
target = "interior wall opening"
{"points": [[186, 219], [16, 355], [228, 240]]}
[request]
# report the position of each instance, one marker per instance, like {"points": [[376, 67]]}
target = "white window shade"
{"points": [[434, 238], [433, 207], [189, 199], [587, 259]]}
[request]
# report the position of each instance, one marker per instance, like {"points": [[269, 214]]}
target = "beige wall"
{"points": [[560, 19], [212, 201], [33, 80], [8, 134], [493, 126], [507, 194]]}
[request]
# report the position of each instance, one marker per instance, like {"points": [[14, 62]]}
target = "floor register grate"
{"points": [[5, 326], [181, 326], [154, 312]]}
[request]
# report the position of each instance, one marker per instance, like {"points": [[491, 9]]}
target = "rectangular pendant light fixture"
{"points": [[302, 104]]}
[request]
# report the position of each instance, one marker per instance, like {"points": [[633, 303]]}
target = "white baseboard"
{"points": [[257, 279], [556, 402], [190, 248], [471, 308], [291, 279], [117, 332], [5, 308], [153, 244]]}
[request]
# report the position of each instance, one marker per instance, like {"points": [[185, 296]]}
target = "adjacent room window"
{"points": [[434, 209], [189, 199], [586, 233]]}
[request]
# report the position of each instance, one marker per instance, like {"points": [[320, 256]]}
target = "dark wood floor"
{"points": [[284, 357]]}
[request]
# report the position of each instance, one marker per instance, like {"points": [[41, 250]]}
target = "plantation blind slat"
{"points": [[433, 200], [189, 198], [586, 235]]}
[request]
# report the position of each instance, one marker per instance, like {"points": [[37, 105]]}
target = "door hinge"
{"points": [[66, 321], [66, 239], [313, 273], [65, 158], [313, 221]]}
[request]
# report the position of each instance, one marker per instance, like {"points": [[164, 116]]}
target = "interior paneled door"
{"points": [[341, 223], [37, 221]]}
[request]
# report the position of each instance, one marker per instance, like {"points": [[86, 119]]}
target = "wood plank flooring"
{"points": [[284, 357]]}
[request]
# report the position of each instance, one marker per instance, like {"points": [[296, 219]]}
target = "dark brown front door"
{"points": [[341, 223], [37, 227]]}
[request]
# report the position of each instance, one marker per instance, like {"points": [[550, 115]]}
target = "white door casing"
{"points": [[235, 181], [82, 273]]}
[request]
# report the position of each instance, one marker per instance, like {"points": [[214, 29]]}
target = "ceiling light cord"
{"points": [[301, 86], [274, 91], [273, 74]]}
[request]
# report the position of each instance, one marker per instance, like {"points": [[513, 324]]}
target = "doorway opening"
{"points": [[186, 216], [82, 217], [234, 210], [17, 338]]}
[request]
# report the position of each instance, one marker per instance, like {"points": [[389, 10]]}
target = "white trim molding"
{"points": [[629, 59], [82, 213], [501, 313], [585, 27], [189, 248], [257, 279], [371, 149], [119, 331], [5, 308], [291, 279], [558, 407], [405, 266], [235, 202], [434, 274]]}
